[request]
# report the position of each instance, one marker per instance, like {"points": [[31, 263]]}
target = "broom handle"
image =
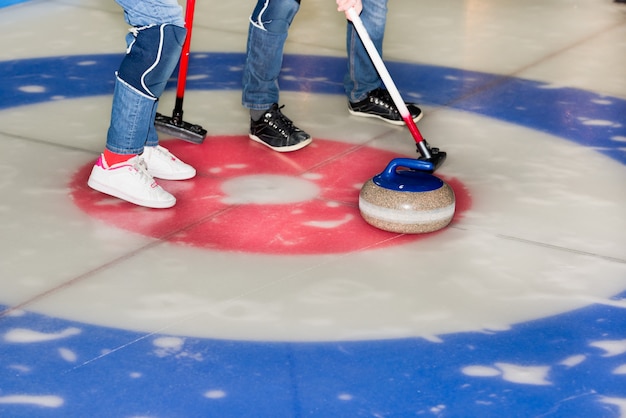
{"points": [[391, 86], [184, 58]]}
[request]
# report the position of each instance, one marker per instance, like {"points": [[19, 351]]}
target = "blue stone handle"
{"points": [[413, 164]]}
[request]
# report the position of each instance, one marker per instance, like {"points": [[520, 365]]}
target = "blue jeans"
{"points": [[362, 76], [133, 111], [267, 33]]}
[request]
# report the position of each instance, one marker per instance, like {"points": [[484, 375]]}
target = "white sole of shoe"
{"points": [[392, 122], [103, 188], [290, 148]]}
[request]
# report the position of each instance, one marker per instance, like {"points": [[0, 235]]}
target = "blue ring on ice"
{"points": [[538, 367], [598, 124], [7, 3]]}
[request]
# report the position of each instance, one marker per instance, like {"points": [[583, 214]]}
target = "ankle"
{"points": [[255, 115]]}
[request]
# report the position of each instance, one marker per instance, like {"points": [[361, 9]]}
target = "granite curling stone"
{"points": [[412, 201]]}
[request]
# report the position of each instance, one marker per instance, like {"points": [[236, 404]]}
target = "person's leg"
{"points": [[154, 47], [267, 34], [362, 76], [366, 94]]}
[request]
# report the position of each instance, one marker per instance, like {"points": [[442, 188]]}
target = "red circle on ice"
{"points": [[251, 199]]}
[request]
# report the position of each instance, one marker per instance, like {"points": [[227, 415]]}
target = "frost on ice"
{"points": [[612, 347], [527, 375], [23, 335], [48, 401]]}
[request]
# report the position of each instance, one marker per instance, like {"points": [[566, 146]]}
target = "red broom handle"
{"points": [[184, 58], [388, 81]]}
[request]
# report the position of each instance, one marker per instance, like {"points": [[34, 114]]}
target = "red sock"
{"points": [[112, 158]]}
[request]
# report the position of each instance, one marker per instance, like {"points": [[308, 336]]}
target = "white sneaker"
{"points": [[162, 164], [129, 181]]}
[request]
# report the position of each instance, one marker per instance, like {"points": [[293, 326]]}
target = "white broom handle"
{"points": [[378, 62]]}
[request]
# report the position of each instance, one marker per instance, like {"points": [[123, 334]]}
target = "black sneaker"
{"points": [[278, 132], [379, 104]]}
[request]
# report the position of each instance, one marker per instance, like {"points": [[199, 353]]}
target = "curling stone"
{"points": [[412, 201]]}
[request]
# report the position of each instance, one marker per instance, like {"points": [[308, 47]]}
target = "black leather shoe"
{"points": [[278, 132], [379, 104]]}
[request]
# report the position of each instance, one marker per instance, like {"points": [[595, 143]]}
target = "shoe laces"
{"points": [[141, 169], [382, 97], [165, 153], [280, 122]]}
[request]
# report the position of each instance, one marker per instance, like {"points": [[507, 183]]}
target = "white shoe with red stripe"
{"points": [[162, 164], [129, 181]]}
